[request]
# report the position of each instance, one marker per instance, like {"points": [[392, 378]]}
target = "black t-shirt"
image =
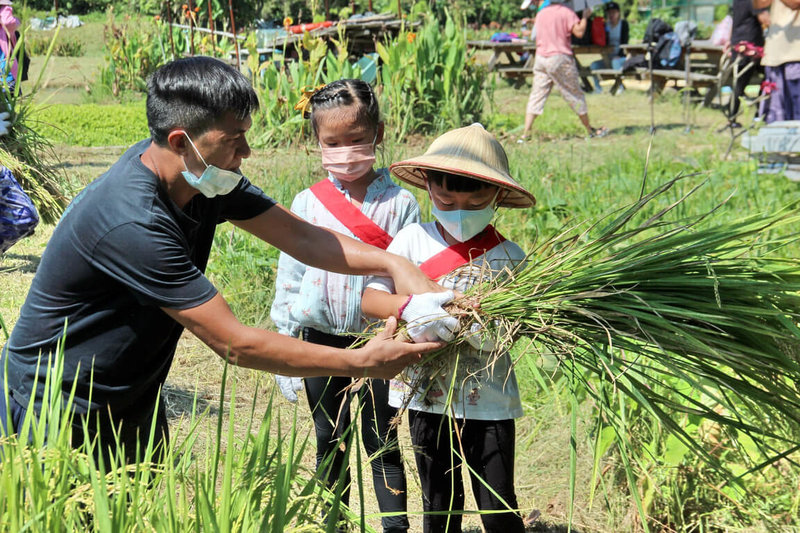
{"points": [[121, 251], [745, 23]]}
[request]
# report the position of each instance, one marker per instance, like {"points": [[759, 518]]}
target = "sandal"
{"points": [[599, 132], [523, 139]]}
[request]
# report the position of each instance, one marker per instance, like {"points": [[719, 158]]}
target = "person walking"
{"points": [[555, 65]]}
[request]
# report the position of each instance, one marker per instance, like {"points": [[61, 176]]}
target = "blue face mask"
{"points": [[463, 224], [214, 181]]}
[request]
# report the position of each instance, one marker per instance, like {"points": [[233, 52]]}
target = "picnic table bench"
{"points": [[519, 70], [703, 68], [360, 34]]}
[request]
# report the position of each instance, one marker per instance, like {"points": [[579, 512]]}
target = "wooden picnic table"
{"points": [[514, 68], [702, 67], [360, 34]]}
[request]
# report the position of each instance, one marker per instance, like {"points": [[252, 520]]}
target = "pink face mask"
{"points": [[348, 163]]}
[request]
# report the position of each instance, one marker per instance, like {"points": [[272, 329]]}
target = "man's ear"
{"points": [[177, 141]]}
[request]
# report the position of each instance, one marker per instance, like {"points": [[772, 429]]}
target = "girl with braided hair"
{"points": [[325, 308]]}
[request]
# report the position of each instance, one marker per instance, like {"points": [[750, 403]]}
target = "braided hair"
{"points": [[343, 93]]}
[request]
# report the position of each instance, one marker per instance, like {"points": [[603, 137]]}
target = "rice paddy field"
{"points": [[567, 469]]}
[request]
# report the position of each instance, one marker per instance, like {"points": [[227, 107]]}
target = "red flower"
{"points": [[768, 86], [748, 49]]}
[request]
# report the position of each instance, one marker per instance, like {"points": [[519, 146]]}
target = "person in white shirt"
{"points": [[466, 174]]}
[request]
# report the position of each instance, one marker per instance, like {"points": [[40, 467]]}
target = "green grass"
{"points": [[94, 124]]}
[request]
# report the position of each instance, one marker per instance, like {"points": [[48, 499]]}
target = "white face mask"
{"points": [[464, 224], [214, 181]]}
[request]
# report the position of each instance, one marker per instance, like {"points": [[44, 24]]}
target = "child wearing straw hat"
{"points": [[465, 172]]}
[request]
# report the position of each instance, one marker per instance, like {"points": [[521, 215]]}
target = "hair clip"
{"points": [[304, 104]]}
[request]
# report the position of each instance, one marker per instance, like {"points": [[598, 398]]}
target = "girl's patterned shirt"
{"points": [[326, 301]]}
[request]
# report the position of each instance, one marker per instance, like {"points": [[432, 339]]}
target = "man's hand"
{"points": [[587, 12], [384, 357]]}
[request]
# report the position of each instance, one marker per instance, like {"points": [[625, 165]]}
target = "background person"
{"points": [[122, 274], [325, 308], [554, 64], [746, 28], [781, 59], [8, 41], [617, 34]]}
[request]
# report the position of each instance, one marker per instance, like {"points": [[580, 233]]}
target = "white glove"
{"points": [[425, 318], [480, 339], [289, 386], [5, 124]]}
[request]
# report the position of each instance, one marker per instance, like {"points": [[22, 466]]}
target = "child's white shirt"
{"points": [[481, 393]]}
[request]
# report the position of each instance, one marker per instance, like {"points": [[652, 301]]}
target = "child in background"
{"points": [[466, 174], [325, 307]]}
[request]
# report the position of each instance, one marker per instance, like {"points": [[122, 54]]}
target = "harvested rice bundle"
{"points": [[647, 305]]}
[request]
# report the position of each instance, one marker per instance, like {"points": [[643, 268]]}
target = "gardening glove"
{"points": [[289, 386], [425, 318], [5, 124]]}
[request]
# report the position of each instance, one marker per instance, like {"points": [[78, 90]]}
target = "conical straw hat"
{"points": [[472, 152]]}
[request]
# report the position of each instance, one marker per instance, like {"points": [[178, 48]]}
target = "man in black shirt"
{"points": [[122, 275]]}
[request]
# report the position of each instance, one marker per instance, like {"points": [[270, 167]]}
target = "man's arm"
{"points": [[580, 28], [328, 250], [761, 4], [215, 325]]}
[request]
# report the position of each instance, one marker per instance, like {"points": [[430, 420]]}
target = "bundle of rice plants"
{"points": [[657, 308]]}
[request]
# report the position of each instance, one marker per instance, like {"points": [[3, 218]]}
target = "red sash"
{"points": [[349, 215], [462, 253]]}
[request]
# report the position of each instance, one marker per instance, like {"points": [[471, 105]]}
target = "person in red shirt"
{"points": [[555, 65]]}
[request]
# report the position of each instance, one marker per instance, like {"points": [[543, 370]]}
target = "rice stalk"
{"points": [[679, 317]]}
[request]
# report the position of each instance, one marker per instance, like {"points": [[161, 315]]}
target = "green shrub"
{"points": [[93, 124]]}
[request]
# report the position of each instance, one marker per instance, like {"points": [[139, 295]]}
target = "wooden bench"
{"points": [[703, 72], [612, 74]]}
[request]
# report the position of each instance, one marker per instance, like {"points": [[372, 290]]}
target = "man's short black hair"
{"points": [[194, 93], [455, 182]]}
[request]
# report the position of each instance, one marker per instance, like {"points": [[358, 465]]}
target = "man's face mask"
{"points": [[214, 181], [348, 163], [464, 224]]}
